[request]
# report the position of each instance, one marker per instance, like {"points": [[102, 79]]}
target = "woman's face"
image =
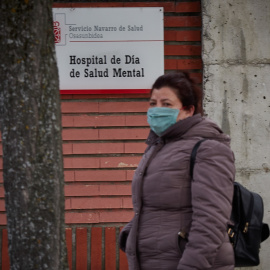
{"points": [[165, 97]]}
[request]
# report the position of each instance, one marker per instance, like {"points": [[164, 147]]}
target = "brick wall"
{"points": [[103, 141]]}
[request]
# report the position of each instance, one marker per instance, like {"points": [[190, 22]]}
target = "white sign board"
{"points": [[108, 48]]}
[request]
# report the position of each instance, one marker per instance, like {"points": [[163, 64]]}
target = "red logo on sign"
{"points": [[57, 32]]}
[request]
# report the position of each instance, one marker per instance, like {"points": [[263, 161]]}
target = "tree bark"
{"points": [[31, 136]]}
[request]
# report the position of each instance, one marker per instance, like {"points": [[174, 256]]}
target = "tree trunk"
{"points": [[31, 136]]}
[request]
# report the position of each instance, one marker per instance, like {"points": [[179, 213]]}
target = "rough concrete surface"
{"points": [[236, 84], [236, 31]]}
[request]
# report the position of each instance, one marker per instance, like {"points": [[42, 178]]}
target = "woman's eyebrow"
{"points": [[162, 100], [166, 99]]}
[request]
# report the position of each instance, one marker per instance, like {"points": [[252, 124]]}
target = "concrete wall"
{"points": [[236, 64]]}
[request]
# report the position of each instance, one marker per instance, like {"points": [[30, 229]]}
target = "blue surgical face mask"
{"points": [[161, 118]]}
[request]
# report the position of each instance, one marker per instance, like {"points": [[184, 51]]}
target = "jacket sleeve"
{"points": [[124, 235], [211, 193]]}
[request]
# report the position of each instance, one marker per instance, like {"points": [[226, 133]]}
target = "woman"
{"points": [[180, 223]]}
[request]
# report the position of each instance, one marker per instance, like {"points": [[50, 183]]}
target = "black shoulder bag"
{"points": [[247, 230]]}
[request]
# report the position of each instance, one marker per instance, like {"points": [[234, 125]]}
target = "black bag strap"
{"points": [[250, 210], [193, 156]]}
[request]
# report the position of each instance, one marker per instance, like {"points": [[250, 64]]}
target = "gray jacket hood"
{"points": [[195, 126]]}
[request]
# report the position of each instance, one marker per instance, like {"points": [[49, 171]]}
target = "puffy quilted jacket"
{"points": [[166, 201]]}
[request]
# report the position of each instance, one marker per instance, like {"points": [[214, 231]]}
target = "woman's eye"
{"points": [[152, 104], [166, 104]]}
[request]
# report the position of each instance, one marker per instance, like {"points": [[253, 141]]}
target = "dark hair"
{"points": [[184, 87]]}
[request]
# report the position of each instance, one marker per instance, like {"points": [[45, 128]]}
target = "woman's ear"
{"points": [[186, 112], [191, 110]]}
